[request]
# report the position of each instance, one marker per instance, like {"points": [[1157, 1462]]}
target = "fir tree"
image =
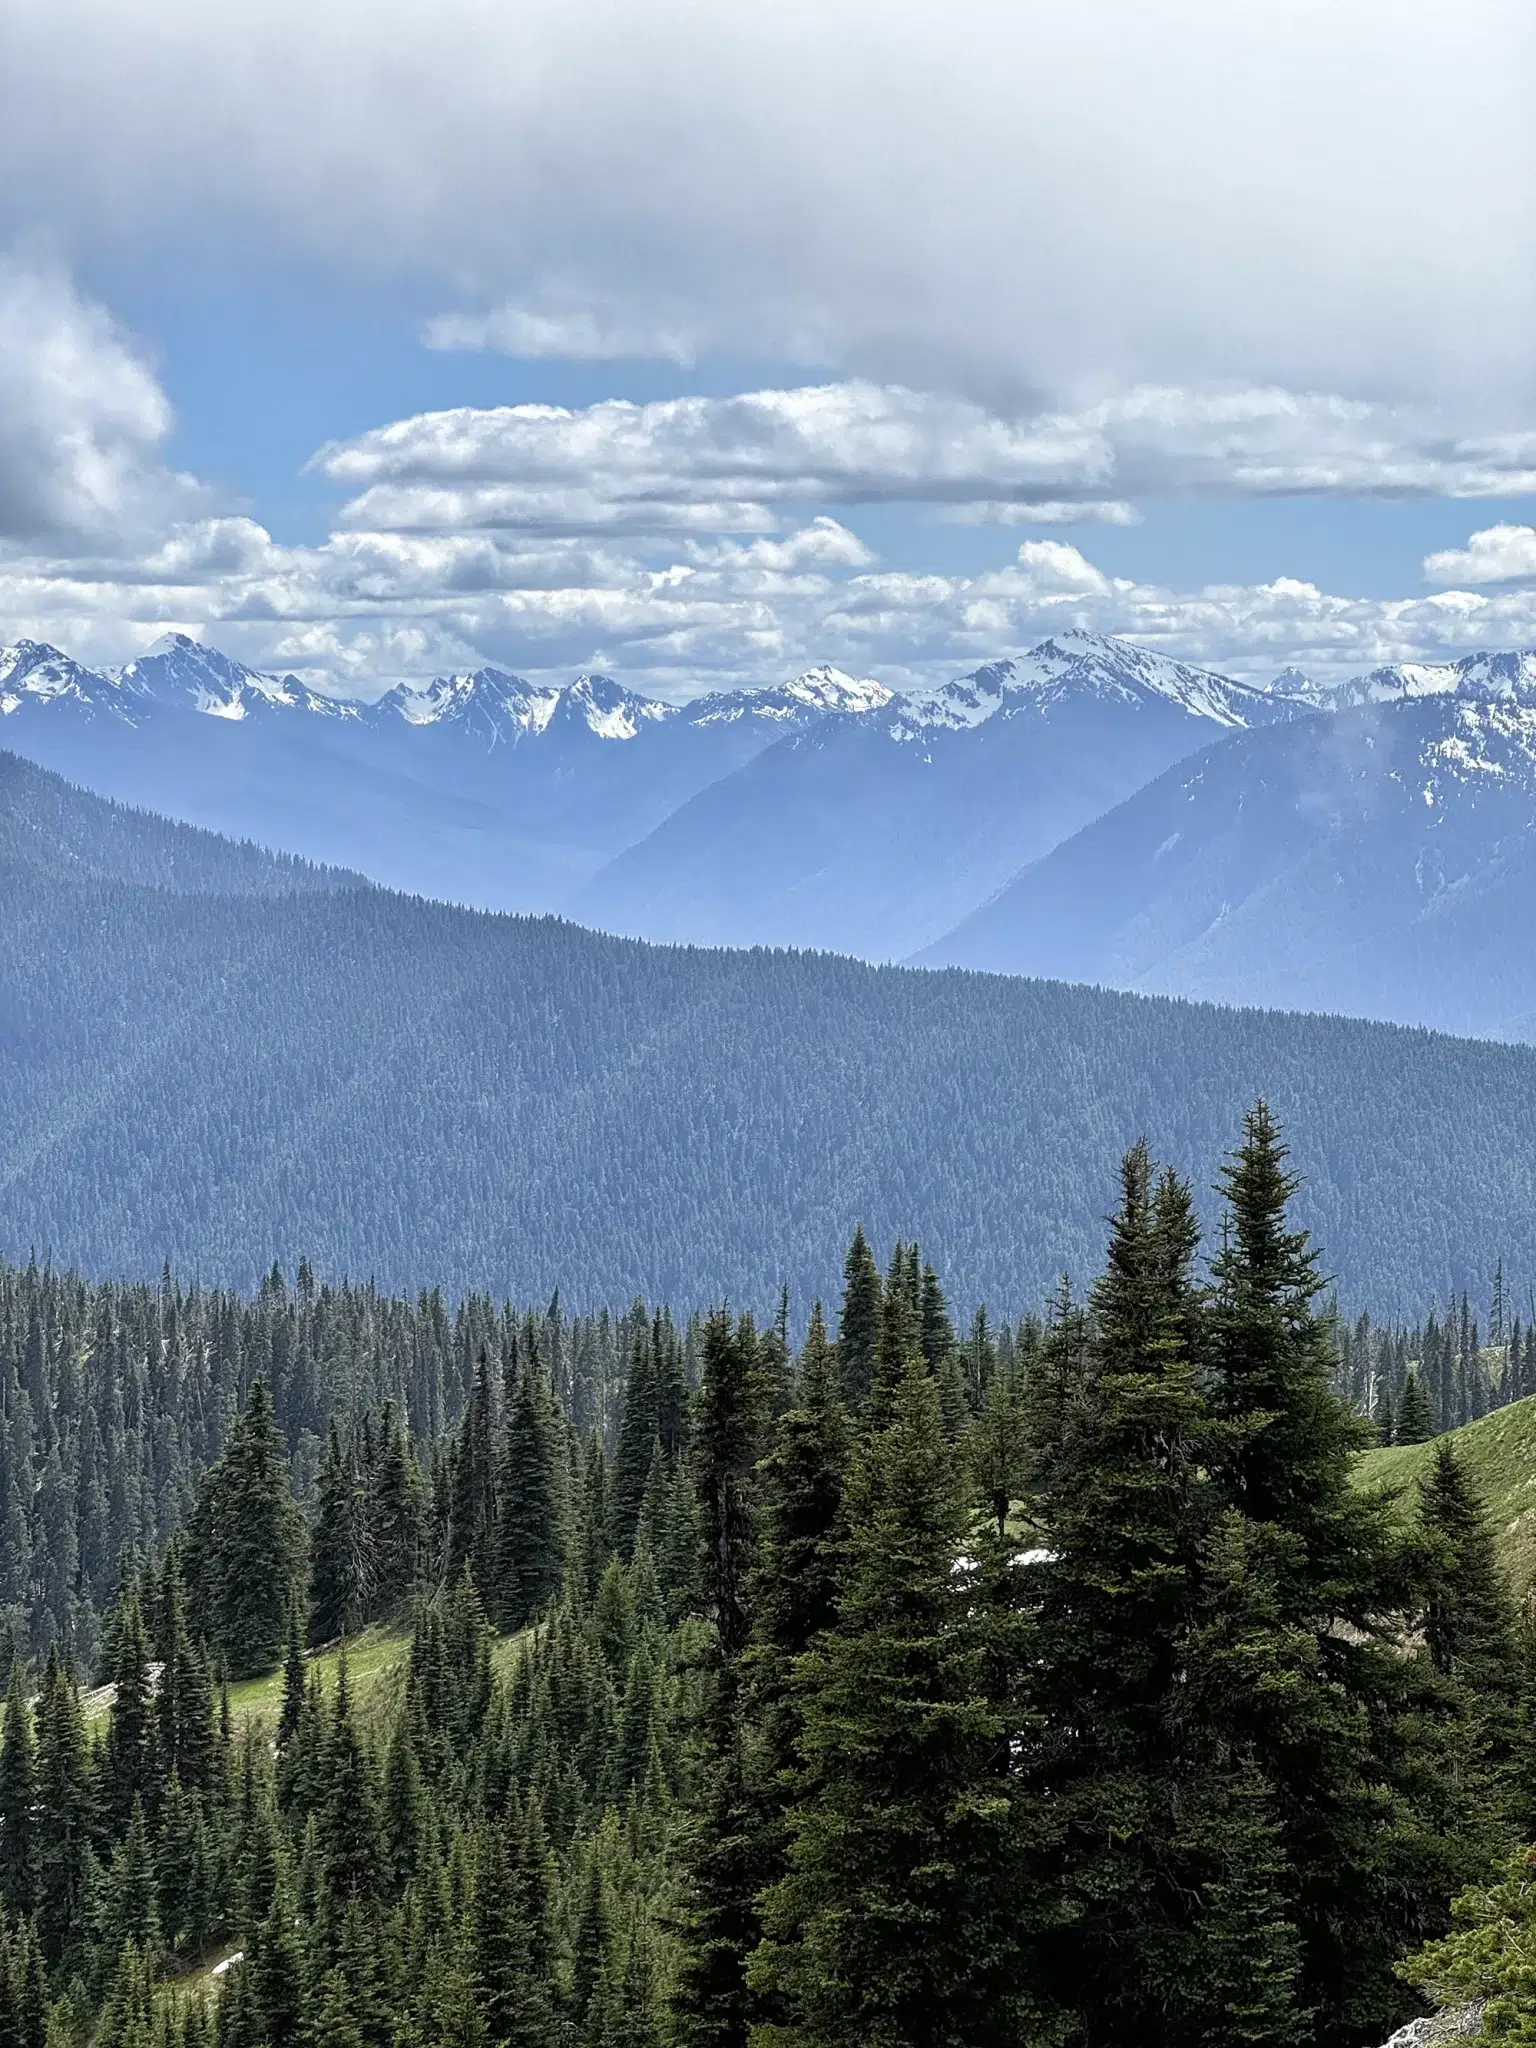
{"points": [[1415, 1419], [858, 1333], [900, 1918], [18, 1800]]}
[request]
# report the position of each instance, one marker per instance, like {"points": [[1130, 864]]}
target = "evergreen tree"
{"points": [[858, 1333], [900, 1918], [18, 1800], [1415, 1418], [530, 1552], [244, 1543], [341, 1548], [65, 1807]]}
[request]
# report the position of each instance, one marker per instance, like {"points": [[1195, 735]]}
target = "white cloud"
{"points": [[579, 335], [1499, 554], [703, 464], [82, 420], [1004, 196]]}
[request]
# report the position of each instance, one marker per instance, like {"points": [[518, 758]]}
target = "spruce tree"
{"points": [[18, 1800], [245, 1543], [900, 1918], [529, 1551], [1124, 1512], [858, 1332], [340, 1547], [1415, 1422]]}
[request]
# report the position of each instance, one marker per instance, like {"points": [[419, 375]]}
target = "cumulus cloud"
{"points": [[366, 608], [702, 464], [1499, 554], [1003, 196], [82, 419]]}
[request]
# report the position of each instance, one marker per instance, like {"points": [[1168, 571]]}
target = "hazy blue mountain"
{"points": [[483, 788], [873, 835], [404, 1089], [1381, 861]]}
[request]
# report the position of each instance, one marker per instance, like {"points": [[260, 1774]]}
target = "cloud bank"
{"points": [[1005, 198]]}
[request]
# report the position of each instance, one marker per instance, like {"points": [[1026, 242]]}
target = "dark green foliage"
{"points": [[858, 1333], [244, 1543], [900, 1920], [18, 1800], [1415, 1422], [530, 1519], [1066, 1695]]}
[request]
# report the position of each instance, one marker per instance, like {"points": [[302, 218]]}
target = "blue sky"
{"points": [[892, 337]]}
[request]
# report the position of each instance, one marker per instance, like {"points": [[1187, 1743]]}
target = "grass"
{"points": [[1499, 1456], [375, 1671]]}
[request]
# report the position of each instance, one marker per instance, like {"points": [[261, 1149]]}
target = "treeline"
{"points": [[114, 1400], [907, 1689], [1413, 1381]]}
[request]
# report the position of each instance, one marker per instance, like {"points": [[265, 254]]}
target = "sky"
{"points": [[700, 344]]}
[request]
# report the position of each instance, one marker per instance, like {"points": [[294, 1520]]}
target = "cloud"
{"points": [[364, 609], [701, 461], [82, 419], [732, 464], [576, 336], [1018, 200], [1499, 554]]}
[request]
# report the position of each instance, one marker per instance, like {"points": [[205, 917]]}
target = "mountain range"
{"points": [[1090, 810], [218, 1056]]}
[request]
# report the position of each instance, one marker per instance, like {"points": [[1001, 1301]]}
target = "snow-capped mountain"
{"points": [[1474, 675], [1072, 667], [871, 833], [824, 810], [1380, 862]]}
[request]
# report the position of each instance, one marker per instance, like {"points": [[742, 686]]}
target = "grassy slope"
{"points": [[375, 1666], [1499, 1453]]}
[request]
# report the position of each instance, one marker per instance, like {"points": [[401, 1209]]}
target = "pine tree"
{"points": [[530, 1551], [340, 1549], [724, 1852], [130, 1762], [65, 1807], [1470, 1634], [1353, 1762], [396, 1515], [795, 1587], [1124, 1512], [858, 1332], [244, 1544], [899, 1921], [1415, 1418], [18, 1800]]}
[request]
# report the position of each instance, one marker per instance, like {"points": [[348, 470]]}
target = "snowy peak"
{"points": [[810, 695], [610, 711], [1075, 667], [178, 670], [1509, 674], [488, 703], [825, 689], [31, 672]]}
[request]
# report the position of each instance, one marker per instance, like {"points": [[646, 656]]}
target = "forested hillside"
{"points": [[394, 1087], [1048, 1686]]}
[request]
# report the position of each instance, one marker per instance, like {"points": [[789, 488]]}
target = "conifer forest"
{"points": [[393, 1673]]}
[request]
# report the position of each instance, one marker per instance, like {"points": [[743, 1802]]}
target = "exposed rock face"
{"points": [[1455, 2023]]}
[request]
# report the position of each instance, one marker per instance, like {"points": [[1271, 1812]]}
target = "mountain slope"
{"points": [[400, 1088], [1381, 862], [874, 835], [1498, 1454], [481, 788], [48, 824]]}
